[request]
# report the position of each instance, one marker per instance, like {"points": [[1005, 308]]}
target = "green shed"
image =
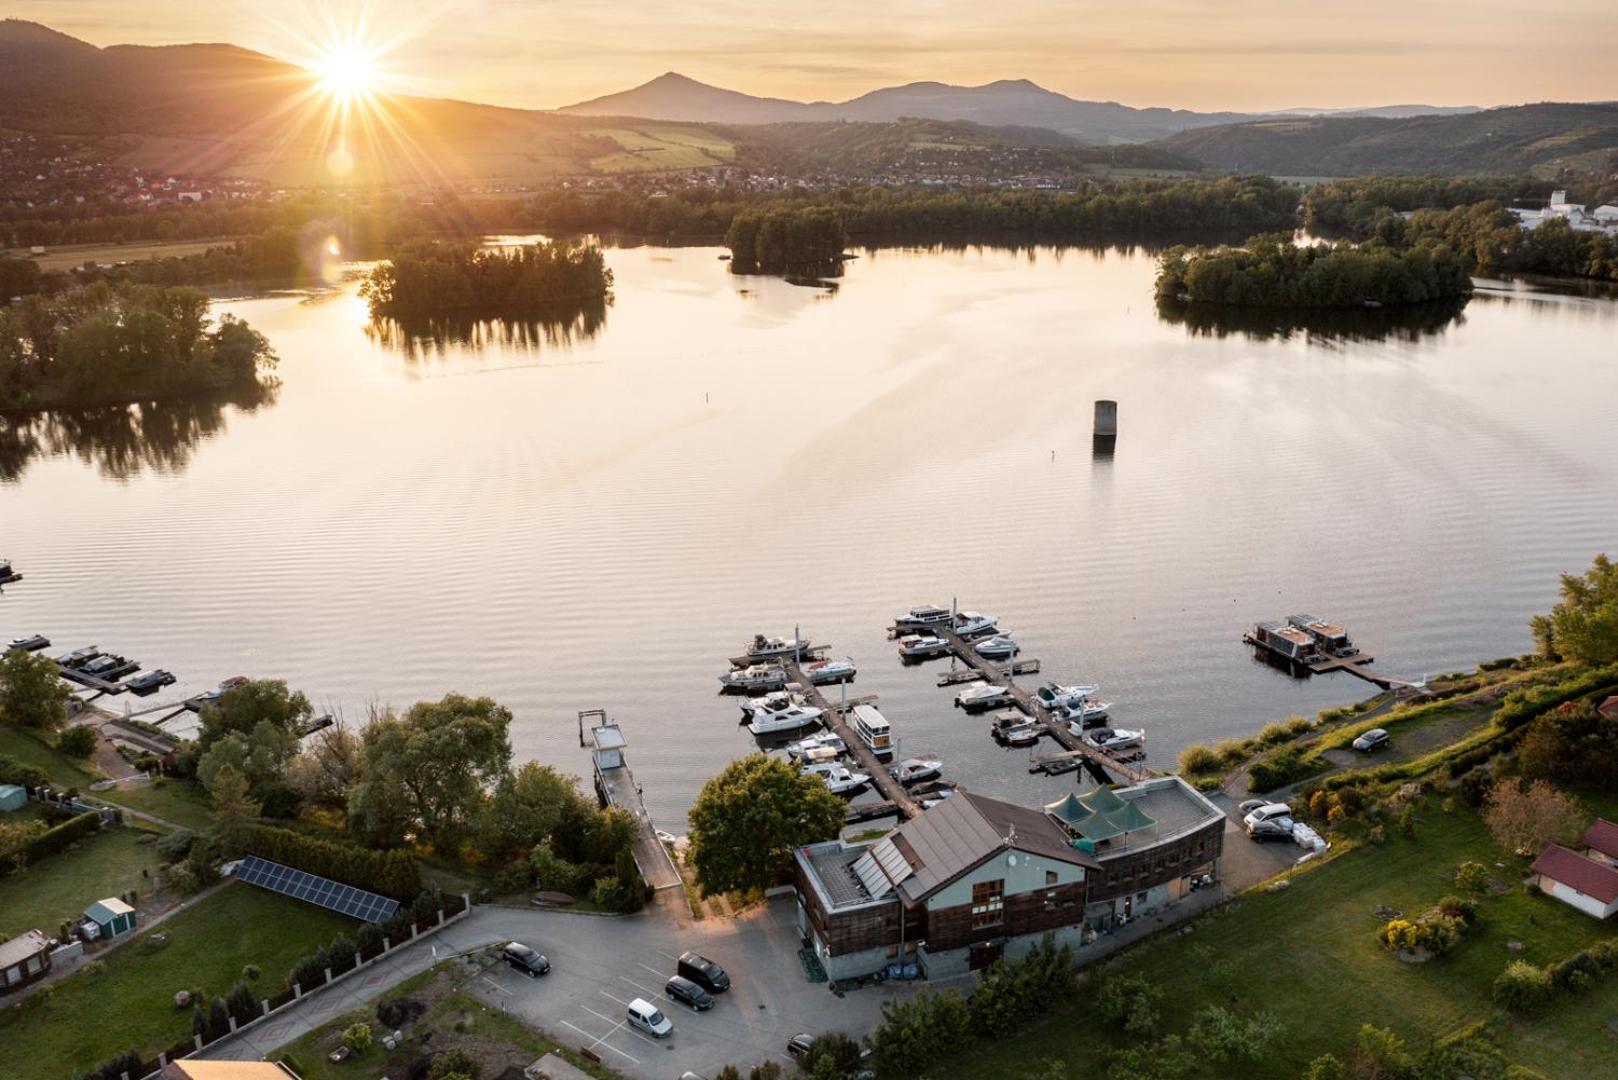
{"points": [[12, 797], [111, 917]]}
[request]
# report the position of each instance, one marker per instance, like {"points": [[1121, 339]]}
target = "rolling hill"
{"points": [[1541, 139]]}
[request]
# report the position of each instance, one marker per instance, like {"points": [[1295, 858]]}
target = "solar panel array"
{"points": [[329, 894]]}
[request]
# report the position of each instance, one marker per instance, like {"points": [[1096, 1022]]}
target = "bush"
{"points": [[241, 1002], [51, 841], [1285, 766], [1472, 876], [452, 1063], [176, 845], [1221, 1035], [115, 1067], [912, 1033], [1197, 758], [1130, 1001], [357, 1037], [368, 938], [833, 1054], [13, 771], [78, 742], [1566, 975], [514, 878], [1521, 987]]}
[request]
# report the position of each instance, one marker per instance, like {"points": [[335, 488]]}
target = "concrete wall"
{"points": [[1028, 875]]}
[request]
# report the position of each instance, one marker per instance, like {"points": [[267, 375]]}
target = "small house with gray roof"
{"points": [[974, 878]]}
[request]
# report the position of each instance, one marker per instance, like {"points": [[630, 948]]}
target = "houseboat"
{"points": [[872, 728], [1329, 638], [922, 616], [1284, 640]]}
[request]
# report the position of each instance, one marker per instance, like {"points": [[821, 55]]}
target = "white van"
{"points": [[646, 1016]]}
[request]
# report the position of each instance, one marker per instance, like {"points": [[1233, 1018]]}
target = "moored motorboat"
{"points": [[916, 770], [32, 643], [998, 647], [971, 624], [920, 646], [150, 682], [820, 755], [1083, 713], [839, 779], [982, 695], [922, 616], [775, 648], [821, 740], [1054, 695], [1012, 728], [755, 677], [79, 657], [1114, 740], [773, 700], [822, 672], [786, 716]]}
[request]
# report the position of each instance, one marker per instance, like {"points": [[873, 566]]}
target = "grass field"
{"points": [[1308, 954], [129, 1003], [187, 805], [63, 885], [70, 255], [656, 148], [32, 750]]}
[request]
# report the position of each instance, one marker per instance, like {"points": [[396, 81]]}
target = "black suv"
{"points": [[689, 993], [702, 971], [525, 959]]}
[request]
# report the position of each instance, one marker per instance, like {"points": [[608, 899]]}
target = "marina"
{"points": [[836, 718]]}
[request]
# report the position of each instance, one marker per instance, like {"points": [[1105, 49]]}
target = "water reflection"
{"points": [[122, 441], [1410, 322], [418, 339]]}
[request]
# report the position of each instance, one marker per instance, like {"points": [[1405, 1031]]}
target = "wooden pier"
{"points": [[966, 675], [100, 685], [832, 716], [1097, 762], [1355, 663], [615, 786]]}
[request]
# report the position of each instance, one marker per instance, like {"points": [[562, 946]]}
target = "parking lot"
{"points": [[599, 965]]}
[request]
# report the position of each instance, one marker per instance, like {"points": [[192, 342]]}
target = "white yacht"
{"points": [[775, 648], [971, 624], [915, 770], [872, 728], [773, 700], [982, 695], [1083, 713], [922, 616], [787, 716], [755, 677], [1114, 740], [1054, 695], [839, 779], [920, 646], [998, 647], [822, 672], [936, 798], [1012, 728], [820, 740]]}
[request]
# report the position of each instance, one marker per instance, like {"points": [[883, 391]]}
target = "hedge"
{"points": [[51, 841], [391, 873]]}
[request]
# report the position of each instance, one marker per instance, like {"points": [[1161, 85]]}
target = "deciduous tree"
{"points": [[32, 694], [1584, 625], [749, 818], [1526, 817]]}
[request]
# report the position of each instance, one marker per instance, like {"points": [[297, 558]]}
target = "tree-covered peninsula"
{"points": [[104, 344], [434, 279], [1273, 271]]}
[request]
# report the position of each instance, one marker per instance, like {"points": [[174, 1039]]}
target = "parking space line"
{"points": [[671, 956], [494, 984], [609, 997], [602, 1041], [642, 989], [653, 970], [598, 1016]]}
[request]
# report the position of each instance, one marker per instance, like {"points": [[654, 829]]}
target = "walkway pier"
{"points": [[832, 716], [1096, 762], [615, 786]]}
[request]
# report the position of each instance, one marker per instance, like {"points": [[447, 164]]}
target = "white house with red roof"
{"points": [[1588, 884]]}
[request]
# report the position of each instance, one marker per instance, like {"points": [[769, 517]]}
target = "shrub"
{"points": [[78, 742], [391, 873], [176, 845], [1399, 934], [514, 878], [369, 937], [834, 1054], [1566, 975], [250, 972], [1521, 987], [1232, 751], [1223, 1036], [241, 1002], [1325, 1067], [1472, 876], [1282, 767], [1131, 1002], [51, 841], [357, 1037], [1198, 758], [1407, 823], [1459, 907], [911, 1033], [428, 902], [117, 1066]]}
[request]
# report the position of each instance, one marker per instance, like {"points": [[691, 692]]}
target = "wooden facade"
{"points": [[1024, 913], [1137, 871]]}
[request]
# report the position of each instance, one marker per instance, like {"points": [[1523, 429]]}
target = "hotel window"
{"points": [[988, 903]]}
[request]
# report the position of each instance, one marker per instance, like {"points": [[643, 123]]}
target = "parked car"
{"points": [[798, 1046], [526, 959], [1250, 805], [688, 993], [1272, 821], [702, 971], [1371, 741], [649, 1018]]}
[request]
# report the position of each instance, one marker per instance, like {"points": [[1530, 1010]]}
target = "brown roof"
{"points": [[1578, 872], [1602, 837], [21, 947], [962, 832]]}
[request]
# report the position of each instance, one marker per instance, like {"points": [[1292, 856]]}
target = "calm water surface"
{"points": [[599, 518]]}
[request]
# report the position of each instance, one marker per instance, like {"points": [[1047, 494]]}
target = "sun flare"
{"points": [[347, 72]]}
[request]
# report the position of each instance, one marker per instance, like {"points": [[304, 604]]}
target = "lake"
{"points": [[598, 515]]}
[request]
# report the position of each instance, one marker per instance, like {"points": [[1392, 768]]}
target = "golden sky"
{"points": [[1218, 54]]}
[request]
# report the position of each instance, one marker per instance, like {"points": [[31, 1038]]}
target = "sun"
{"points": [[347, 73]]}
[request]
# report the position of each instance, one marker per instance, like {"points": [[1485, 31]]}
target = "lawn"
{"points": [[495, 1038], [129, 1003], [185, 804], [1308, 954], [63, 885], [32, 750]]}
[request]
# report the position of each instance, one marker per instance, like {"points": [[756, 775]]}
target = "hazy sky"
{"points": [[1218, 54]]}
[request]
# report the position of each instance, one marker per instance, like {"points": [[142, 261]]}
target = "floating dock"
{"points": [[1098, 763], [615, 786], [97, 683], [895, 797], [1314, 646], [966, 675]]}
